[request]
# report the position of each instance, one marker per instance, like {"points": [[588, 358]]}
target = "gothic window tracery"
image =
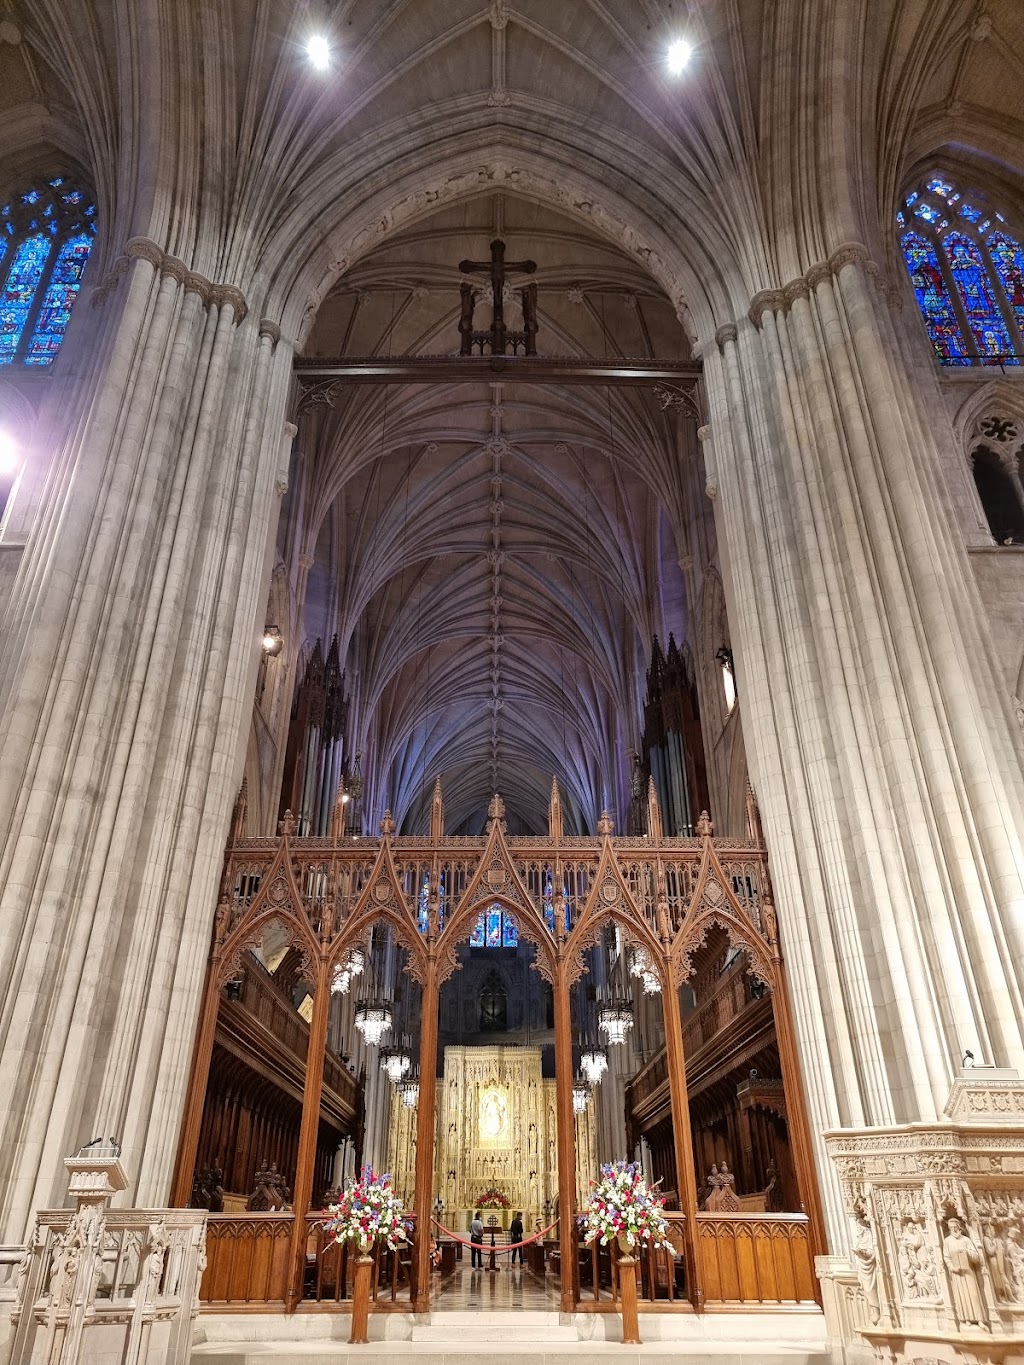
{"points": [[967, 269], [46, 234]]}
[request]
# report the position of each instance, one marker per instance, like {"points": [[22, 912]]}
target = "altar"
{"points": [[495, 1135]]}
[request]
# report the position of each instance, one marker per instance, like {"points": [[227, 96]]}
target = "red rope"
{"points": [[498, 1246]]}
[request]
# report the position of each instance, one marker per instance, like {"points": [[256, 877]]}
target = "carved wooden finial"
{"points": [[496, 809], [705, 826], [222, 920], [655, 829], [437, 813], [605, 826], [286, 827], [387, 825], [240, 812], [754, 830], [555, 823]]}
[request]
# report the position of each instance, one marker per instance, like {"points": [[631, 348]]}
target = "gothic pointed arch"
{"points": [[714, 902], [383, 898], [278, 900]]}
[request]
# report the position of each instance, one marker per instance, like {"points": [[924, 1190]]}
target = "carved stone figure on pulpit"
{"points": [[996, 1254], [963, 1261], [865, 1261]]}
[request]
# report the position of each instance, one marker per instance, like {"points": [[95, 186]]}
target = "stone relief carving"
{"points": [[865, 1261], [962, 1257]]}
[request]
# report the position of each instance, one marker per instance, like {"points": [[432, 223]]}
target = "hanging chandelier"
{"points": [[396, 1062], [652, 984], [615, 1019], [346, 972], [593, 1064], [580, 1095], [373, 1020], [409, 1092]]}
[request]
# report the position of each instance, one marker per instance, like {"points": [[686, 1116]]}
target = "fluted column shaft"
{"points": [[891, 805], [128, 686]]}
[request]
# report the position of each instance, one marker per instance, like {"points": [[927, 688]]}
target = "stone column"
{"points": [[132, 646], [879, 751]]}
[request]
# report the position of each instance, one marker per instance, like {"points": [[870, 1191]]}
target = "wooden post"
{"points": [[202, 1054], [425, 1123], [686, 1178], [566, 1139], [796, 1111], [305, 1160], [361, 1299], [627, 1299]]}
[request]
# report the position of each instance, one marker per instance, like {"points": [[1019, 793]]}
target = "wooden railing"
{"points": [[764, 1260], [330, 1268], [660, 1271], [247, 1259], [248, 1263]]}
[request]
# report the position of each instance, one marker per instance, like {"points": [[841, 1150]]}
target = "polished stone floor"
{"points": [[502, 1290]]}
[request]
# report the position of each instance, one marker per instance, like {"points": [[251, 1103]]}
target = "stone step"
{"points": [[423, 1353]]}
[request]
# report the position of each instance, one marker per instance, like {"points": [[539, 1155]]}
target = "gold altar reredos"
{"points": [[496, 1129]]}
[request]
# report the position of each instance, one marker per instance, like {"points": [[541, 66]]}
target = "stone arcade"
{"points": [[511, 606]]}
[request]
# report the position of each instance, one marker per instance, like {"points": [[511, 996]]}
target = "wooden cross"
{"points": [[497, 338]]}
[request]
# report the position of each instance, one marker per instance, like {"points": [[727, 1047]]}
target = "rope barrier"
{"points": [[498, 1246]]}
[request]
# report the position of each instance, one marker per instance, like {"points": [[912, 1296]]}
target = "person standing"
{"points": [[515, 1234], [476, 1237]]}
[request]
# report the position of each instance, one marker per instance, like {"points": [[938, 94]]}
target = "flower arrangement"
{"points": [[493, 1199], [621, 1204], [366, 1210]]}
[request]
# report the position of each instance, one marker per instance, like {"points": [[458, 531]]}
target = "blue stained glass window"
{"points": [[422, 915], [20, 289], [50, 227], [509, 932], [1008, 259], [933, 300], [938, 186], [970, 213], [911, 199], [926, 212], [61, 292], [476, 938], [972, 280], [493, 936]]}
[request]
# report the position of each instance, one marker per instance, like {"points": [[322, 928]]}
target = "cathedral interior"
{"points": [[512, 660]]}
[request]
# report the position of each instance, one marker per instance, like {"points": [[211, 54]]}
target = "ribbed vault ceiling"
{"points": [[495, 557]]}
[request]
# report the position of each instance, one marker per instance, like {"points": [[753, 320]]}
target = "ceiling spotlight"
{"points": [[318, 50], [679, 54], [9, 454]]}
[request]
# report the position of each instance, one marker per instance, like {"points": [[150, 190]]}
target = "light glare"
{"points": [[9, 453], [318, 50], [678, 55]]}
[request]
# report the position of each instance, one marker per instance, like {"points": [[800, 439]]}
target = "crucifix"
{"points": [[497, 338]]}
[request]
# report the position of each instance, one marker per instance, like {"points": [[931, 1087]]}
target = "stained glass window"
{"points": [[61, 292], [20, 289], [1008, 259], [46, 234], [969, 285], [494, 928], [493, 933], [977, 295], [422, 909], [933, 300]]}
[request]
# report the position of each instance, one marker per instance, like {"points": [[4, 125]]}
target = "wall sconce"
{"points": [[272, 642]]}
